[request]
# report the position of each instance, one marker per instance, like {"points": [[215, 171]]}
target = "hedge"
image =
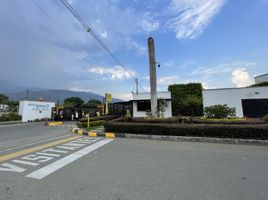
{"points": [[105, 118], [186, 99], [197, 120], [91, 124], [195, 130]]}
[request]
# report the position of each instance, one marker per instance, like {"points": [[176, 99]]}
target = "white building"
{"points": [[261, 78], [31, 110], [248, 101], [142, 102]]}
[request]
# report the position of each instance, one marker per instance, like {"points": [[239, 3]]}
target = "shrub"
{"points": [[154, 120], [265, 118], [105, 118], [219, 111], [91, 124], [10, 117], [195, 130], [161, 107], [186, 99]]}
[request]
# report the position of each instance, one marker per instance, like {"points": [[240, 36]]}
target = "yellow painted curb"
{"points": [[54, 123], [109, 135], [92, 134], [80, 132], [73, 130]]}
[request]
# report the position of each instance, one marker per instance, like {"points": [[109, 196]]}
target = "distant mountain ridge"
{"points": [[16, 92]]}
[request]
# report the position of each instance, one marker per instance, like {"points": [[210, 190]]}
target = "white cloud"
{"points": [[167, 80], [123, 96], [240, 77], [207, 72], [193, 16], [149, 26], [112, 73]]}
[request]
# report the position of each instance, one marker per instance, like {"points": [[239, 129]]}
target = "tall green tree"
{"points": [[92, 103], [73, 102], [3, 99]]}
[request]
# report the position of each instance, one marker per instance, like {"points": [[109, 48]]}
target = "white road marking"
{"points": [[54, 150], [26, 145], [71, 148], [11, 168], [38, 158], [48, 154], [25, 162], [45, 171]]}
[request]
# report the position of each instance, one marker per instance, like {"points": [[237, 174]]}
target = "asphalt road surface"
{"points": [[38, 162]]}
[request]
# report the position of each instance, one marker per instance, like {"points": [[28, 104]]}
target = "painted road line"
{"points": [[25, 162], [45, 171], [33, 149], [26, 145]]}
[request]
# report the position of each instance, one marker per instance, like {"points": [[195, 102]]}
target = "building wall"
{"points": [[233, 96], [136, 113], [261, 78], [31, 110]]}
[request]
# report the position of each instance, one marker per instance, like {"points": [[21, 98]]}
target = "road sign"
{"points": [[108, 97]]}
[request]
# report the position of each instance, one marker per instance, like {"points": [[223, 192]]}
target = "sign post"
{"points": [[88, 120], [108, 99]]}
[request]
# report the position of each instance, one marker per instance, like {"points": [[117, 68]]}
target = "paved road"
{"points": [[133, 169]]}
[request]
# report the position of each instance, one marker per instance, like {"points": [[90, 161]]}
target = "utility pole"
{"points": [[153, 83], [137, 86]]}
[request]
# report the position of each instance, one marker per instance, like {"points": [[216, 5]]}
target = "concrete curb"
{"points": [[80, 131], [195, 139]]}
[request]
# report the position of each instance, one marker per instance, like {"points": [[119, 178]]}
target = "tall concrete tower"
{"points": [[153, 83]]}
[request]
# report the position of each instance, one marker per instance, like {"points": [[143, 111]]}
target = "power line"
{"points": [[89, 30]]}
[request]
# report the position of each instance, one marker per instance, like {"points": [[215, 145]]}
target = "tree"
{"points": [[73, 102], [161, 107], [92, 103], [3, 99]]}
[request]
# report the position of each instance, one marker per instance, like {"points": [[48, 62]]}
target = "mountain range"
{"points": [[17, 92]]}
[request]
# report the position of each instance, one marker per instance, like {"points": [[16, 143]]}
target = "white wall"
{"points": [[233, 96], [147, 96], [31, 110], [261, 78], [136, 113]]}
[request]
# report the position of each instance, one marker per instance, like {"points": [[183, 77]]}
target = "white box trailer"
{"points": [[31, 110]]}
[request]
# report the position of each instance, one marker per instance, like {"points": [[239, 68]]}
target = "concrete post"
{"points": [[153, 83]]}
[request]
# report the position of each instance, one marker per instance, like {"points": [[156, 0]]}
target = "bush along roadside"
{"points": [[91, 124], [10, 117], [245, 131]]}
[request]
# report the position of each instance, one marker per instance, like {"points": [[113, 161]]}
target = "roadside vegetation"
{"points": [[8, 109]]}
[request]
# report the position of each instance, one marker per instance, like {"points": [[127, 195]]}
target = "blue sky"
{"points": [[220, 43]]}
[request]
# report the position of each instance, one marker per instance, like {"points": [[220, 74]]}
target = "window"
{"points": [[144, 105]]}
